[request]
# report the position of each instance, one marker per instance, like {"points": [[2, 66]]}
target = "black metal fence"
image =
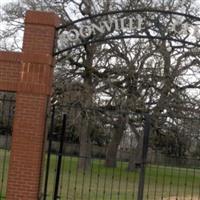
{"points": [[7, 105], [173, 169], [92, 159]]}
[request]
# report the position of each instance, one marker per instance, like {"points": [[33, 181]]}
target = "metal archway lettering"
{"points": [[188, 33]]}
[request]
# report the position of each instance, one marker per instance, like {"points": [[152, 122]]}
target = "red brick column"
{"points": [[33, 89]]}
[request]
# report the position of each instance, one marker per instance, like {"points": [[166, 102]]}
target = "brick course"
{"points": [[9, 70]]}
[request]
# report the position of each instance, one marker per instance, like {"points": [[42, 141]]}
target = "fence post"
{"points": [[144, 157], [49, 152], [60, 154]]}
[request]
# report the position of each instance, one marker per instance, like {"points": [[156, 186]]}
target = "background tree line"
{"points": [[103, 85]]}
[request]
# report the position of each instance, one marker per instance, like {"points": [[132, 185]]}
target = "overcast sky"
{"points": [[5, 1]]}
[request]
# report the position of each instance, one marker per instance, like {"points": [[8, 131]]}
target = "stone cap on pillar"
{"points": [[42, 18]]}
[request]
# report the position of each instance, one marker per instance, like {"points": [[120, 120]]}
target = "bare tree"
{"points": [[125, 75]]}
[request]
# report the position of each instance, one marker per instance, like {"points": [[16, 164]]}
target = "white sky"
{"points": [[5, 1]]}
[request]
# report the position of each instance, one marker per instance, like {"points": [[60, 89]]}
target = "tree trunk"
{"points": [[111, 155], [85, 146], [135, 155], [85, 154]]}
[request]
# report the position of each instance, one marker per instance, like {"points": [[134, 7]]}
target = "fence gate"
{"points": [[100, 165], [98, 149], [133, 166], [7, 104]]}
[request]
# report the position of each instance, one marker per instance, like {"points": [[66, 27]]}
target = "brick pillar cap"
{"points": [[42, 18]]}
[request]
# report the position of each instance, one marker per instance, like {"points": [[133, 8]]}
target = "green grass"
{"points": [[104, 183], [4, 160], [101, 183]]}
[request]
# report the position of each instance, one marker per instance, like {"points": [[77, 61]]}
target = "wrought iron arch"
{"points": [[134, 36]]}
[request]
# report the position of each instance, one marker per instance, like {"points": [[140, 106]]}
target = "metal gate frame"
{"points": [[59, 155], [146, 115]]}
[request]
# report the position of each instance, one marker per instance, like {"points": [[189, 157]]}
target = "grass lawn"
{"points": [[4, 159], [100, 183]]}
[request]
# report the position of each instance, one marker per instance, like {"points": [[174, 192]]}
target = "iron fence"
{"points": [[155, 169], [7, 104], [99, 154]]}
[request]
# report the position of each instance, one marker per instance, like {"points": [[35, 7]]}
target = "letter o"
{"points": [[86, 31], [73, 35]]}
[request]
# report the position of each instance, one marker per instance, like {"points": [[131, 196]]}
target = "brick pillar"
{"points": [[33, 89]]}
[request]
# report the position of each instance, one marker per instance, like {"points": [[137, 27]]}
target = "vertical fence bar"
{"points": [[58, 170], [144, 157], [49, 152]]}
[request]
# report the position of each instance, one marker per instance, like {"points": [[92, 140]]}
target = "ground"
{"points": [[100, 183]]}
